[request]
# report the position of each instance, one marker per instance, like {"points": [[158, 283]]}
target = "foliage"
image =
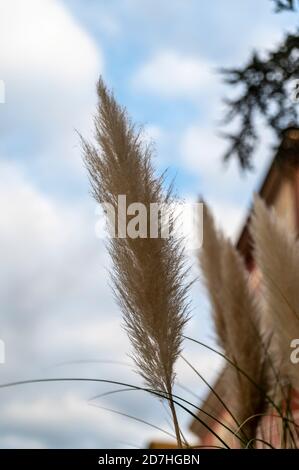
{"points": [[266, 88]]}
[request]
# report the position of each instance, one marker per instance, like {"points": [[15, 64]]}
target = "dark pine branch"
{"points": [[285, 5], [266, 89]]}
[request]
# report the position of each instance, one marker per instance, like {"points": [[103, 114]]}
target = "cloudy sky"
{"points": [[57, 314]]}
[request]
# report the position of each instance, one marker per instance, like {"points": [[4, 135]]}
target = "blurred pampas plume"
{"points": [[235, 314], [244, 341], [210, 264], [277, 258], [148, 273]]}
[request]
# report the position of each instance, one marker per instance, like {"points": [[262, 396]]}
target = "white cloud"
{"points": [[69, 418], [44, 41], [31, 216], [263, 39], [207, 364], [50, 66], [153, 133], [222, 186], [69, 421], [171, 74], [226, 189], [52, 258], [2, 92], [201, 150]]}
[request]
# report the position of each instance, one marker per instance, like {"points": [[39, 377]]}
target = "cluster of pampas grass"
{"points": [[236, 318], [149, 278], [277, 258], [255, 330], [276, 252], [148, 273]]}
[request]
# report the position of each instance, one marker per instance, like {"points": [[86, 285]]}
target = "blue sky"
{"points": [[56, 306]]}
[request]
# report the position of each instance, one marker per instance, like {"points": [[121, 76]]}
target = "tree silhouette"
{"points": [[269, 88], [285, 5]]}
